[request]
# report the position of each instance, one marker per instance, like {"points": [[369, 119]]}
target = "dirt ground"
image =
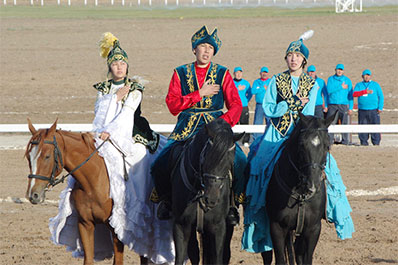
{"points": [[25, 238], [48, 67]]}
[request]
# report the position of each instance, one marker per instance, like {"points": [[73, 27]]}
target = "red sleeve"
{"points": [[232, 100], [360, 93], [175, 101]]}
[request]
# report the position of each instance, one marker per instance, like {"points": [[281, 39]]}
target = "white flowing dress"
{"points": [[133, 215]]}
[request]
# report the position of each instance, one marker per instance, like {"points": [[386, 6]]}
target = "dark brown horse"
{"points": [[51, 150]]}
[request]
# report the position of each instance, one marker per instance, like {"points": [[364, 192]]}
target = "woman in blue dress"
{"points": [[288, 93]]}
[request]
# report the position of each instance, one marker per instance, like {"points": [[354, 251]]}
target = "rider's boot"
{"points": [[164, 210], [233, 216]]}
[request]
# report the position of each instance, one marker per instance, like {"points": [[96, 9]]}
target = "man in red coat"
{"points": [[197, 94]]}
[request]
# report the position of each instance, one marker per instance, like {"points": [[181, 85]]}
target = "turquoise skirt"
{"points": [[256, 236]]}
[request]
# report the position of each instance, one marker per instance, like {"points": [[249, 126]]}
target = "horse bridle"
{"points": [[199, 173], [204, 176], [284, 186], [58, 160]]}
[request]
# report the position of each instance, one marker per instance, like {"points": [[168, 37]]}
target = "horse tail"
{"points": [[290, 249]]}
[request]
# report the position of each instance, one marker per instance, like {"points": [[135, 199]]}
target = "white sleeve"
{"points": [[102, 108]]}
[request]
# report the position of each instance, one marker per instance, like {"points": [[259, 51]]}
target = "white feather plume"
{"points": [[307, 35]]}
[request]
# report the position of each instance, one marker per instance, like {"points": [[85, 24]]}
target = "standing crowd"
{"points": [[335, 95]]}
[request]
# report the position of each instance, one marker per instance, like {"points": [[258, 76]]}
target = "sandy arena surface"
{"points": [[48, 67]]}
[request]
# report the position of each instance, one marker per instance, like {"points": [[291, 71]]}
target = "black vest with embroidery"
{"points": [[283, 83], [142, 132], [207, 109]]}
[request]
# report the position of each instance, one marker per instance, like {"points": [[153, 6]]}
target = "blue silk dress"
{"points": [[264, 154]]}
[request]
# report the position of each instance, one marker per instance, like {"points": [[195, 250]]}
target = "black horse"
{"points": [[201, 191], [296, 195]]}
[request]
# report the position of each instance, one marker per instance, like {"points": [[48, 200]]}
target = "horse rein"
{"points": [[57, 154], [300, 198]]}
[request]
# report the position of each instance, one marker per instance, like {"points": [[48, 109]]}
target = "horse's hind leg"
{"points": [[118, 249], [86, 230]]}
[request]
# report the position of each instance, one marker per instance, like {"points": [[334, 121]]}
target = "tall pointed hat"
{"points": [[203, 36], [110, 49]]}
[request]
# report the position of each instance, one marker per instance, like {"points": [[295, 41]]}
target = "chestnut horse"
{"points": [[51, 150]]}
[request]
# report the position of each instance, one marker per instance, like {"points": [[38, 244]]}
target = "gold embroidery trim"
{"points": [[285, 91], [187, 130]]}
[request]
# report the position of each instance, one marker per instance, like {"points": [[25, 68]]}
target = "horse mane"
{"points": [[222, 136], [39, 136]]}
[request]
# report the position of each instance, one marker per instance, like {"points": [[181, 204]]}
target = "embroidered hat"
{"points": [[110, 49], [340, 66], [366, 72], [236, 69], [299, 47], [203, 36], [264, 69], [311, 68]]}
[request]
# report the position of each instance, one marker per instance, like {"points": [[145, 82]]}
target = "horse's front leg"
{"points": [[278, 235], [193, 250], [118, 248], [305, 248], [86, 230], [214, 240], [181, 235]]}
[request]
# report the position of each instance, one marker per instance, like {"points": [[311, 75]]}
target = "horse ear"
{"points": [[330, 119], [32, 129], [53, 127], [239, 136], [302, 117]]}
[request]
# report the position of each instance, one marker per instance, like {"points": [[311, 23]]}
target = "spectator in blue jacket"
{"points": [[370, 105], [245, 94], [340, 99], [321, 104], [258, 89]]}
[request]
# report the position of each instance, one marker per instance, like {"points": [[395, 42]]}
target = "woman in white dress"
{"points": [[130, 150]]}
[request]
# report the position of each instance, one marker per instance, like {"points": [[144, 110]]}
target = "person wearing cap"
{"points": [[259, 87], [288, 93], [321, 105], [340, 99], [131, 144], [370, 105], [197, 94], [245, 94]]}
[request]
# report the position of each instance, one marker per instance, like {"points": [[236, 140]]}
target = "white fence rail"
{"points": [[168, 128]]}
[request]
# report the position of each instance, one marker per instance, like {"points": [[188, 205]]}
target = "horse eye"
{"points": [[47, 157]]}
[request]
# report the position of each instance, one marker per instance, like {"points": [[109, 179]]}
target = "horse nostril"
{"points": [[35, 196]]}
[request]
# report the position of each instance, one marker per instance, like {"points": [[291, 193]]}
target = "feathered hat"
{"points": [[203, 36], [110, 49], [299, 47]]}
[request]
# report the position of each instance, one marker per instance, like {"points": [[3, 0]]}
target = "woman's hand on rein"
{"points": [[122, 92], [104, 136]]}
